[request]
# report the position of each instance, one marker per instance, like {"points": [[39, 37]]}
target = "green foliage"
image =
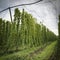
{"points": [[23, 32], [47, 52], [25, 54], [58, 45]]}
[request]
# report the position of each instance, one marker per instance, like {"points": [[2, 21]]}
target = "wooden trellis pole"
{"points": [[10, 13]]}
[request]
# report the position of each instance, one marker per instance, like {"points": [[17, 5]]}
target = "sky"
{"points": [[46, 11]]}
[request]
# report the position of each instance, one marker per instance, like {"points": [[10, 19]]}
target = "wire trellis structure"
{"points": [[9, 8]]}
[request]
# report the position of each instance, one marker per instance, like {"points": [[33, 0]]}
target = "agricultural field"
{"points": [[32, 53], [25, 39]]}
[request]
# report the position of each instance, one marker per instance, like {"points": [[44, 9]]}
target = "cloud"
{"points": [[46, 11], [7, 3]]}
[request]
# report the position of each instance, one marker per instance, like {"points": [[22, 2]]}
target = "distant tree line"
{"points": [[23, 32], [58, 45]]}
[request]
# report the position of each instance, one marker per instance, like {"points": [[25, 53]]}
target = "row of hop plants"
{"points": [[23, 32], [19, 58]]}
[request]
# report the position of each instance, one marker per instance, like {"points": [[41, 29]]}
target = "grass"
{"points": [[47, 52], [20, 53]]}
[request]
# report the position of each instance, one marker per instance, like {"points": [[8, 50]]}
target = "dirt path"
{"points": [[38, 51]]}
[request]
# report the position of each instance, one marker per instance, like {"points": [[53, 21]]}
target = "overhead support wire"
{"points": [[9, 8], [3, 10], [27, 4], [22, 5]]}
